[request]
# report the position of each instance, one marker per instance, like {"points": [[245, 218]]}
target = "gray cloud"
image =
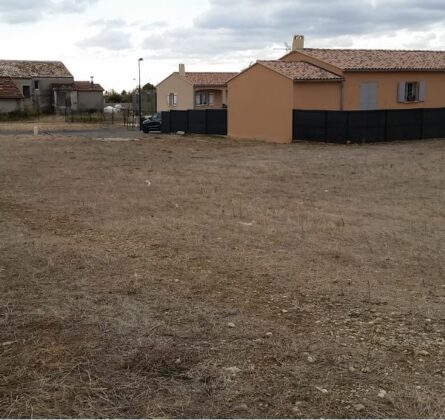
{"points": [[240, 25], [29, 11], [108, 39], [321, 17]]}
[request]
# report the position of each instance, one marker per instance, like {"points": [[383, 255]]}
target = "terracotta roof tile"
{"points": [[8, 89], [85, 86], [380, 60], [299, 70], [33, 69], [208, 78]]}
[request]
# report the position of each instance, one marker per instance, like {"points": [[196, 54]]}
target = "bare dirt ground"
{"points": [[198, 277], [54, 123]]}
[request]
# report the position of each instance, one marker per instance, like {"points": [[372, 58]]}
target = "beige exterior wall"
{"points": [[317, 96], [387, 84], [183, 90], [260, 103]]}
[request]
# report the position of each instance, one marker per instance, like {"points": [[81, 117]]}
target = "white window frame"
{"points": [[172, 99], [203, 98], [411, 91]]}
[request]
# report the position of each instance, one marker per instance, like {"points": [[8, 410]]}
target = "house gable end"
{"points": [[174, 75], [251, 68]]}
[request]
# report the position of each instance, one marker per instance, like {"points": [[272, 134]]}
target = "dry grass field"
{"points": [[49, 123], [200, 277]]}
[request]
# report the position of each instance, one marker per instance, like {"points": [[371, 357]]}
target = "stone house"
{"points": [[45, 86]]}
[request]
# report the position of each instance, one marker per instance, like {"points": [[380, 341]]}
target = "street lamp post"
{"points": [[140, 99]]}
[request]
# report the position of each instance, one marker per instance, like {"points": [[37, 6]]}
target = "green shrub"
{"points": [[18, 115]]}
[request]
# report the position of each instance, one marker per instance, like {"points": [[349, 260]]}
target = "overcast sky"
{"points": [[105, 38]]}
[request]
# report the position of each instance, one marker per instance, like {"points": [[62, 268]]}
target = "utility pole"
{"points": [[140, 98]]}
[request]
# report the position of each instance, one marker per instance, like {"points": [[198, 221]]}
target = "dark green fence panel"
{"points": [[197, 121], [368, 126]]}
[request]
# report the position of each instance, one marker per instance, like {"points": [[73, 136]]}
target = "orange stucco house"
{"points": [[262, 97]]}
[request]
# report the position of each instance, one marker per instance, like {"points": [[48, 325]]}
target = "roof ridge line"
{"points": [[369, 49]]}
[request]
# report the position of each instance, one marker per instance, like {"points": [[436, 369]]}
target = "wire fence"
{"points": [[19, 115], [125, 117]]}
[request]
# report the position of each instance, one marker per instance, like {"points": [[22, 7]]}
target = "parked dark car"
{"points": [[152, 123]]}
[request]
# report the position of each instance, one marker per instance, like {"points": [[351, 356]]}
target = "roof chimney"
{"points": [[182, 70], [92, 80], [298, 42]]}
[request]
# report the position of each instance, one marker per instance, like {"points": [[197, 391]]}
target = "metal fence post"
{"points": [[422, 110], [326, 126]]}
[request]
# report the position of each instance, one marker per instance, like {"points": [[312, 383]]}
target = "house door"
{"points": [[368, 96]]}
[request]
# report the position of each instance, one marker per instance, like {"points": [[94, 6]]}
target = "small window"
{"points": [[26, 91], [411, 91], [201, 98], [36, 84], [172, 99], [205, 98]]}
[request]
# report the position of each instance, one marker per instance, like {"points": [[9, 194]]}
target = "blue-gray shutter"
{"points": [[422, 90], [368, 95], [401, 92]]}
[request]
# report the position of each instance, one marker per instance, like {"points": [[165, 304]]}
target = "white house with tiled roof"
{"points": [[45, 86], [193, 90]]}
